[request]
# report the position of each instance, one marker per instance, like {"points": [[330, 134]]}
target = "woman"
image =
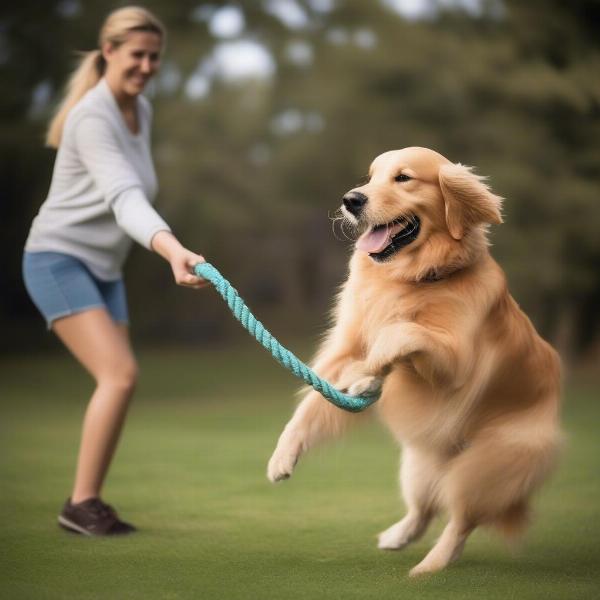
{"points": [[100, 197]]}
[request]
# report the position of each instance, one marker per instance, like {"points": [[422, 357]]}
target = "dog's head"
{"points": [[420, 210]]}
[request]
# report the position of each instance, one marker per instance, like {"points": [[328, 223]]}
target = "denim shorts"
{"points": [[62, 285]]}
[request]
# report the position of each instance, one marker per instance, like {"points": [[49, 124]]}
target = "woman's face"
{"points": [[130, 65]]}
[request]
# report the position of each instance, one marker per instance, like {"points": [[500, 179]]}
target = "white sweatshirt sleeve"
{"points": [[112, 173]]}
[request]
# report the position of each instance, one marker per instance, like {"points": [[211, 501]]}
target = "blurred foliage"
{"points": [[513, 90]]}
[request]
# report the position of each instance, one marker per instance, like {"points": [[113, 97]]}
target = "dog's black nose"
{"points": [[354, 202]]}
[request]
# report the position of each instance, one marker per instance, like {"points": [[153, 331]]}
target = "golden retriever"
{"points": [[468, 388]]}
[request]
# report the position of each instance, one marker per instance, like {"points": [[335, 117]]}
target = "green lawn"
{"points": [[190, 473]]}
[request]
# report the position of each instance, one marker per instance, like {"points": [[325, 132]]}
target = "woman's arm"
{"points": [[120, 185], [122, 190], [182, 261]]}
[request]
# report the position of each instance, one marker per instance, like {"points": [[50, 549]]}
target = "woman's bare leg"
{"points": [[103, 348]]}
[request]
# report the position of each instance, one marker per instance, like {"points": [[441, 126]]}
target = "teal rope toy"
{"points": [[282, 355]]}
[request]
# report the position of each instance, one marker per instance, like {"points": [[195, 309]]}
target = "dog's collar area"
{"points": [[402, 239], [431, 277], [434, 275]]}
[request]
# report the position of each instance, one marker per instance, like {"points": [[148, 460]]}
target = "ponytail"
{"points": [[86, 76]]}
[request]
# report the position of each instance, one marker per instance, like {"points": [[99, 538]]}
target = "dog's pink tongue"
{"points": [[373, 241]]}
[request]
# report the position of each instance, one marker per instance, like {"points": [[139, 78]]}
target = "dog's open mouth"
{"points": [[382, 241]]}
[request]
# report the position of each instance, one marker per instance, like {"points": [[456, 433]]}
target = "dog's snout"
{"points": [[354, 202]]}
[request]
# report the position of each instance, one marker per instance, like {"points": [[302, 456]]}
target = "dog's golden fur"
{"points": [[468, 387]]}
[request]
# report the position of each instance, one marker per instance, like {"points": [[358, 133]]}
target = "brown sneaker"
{"points": [[92, 517]]}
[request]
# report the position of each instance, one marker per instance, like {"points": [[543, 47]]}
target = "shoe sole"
{"points": [[73, 527]]}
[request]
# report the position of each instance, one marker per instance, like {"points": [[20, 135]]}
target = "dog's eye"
{"points": [[402, 178]]}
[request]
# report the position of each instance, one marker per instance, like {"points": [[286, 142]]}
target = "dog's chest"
{"points": [[378, 307]]}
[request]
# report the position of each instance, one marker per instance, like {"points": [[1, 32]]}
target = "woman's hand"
{"points": [[182, 264], [181, 259]]}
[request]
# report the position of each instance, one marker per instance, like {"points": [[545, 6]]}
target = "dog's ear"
{"points": [[469, 201]]}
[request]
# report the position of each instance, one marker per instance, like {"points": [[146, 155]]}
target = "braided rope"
{"points": [[282, 355]]}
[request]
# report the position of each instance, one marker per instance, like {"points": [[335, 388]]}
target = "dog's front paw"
{"points": [[370, 385], [283, 461], [356, 380]]}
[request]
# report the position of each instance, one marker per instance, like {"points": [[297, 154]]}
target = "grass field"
{"points": [[190, 473]]}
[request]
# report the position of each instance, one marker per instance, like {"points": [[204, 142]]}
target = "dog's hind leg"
{"points": [[419, 477], [489, 484], [447, 549]]}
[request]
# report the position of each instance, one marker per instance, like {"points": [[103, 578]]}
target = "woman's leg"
{"points": [[103, 348]]}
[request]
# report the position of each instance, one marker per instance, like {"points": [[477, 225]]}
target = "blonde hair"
{"points": [[92, 64]]}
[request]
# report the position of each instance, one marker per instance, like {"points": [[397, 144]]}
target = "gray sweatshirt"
{"points": [[102, 187]]}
